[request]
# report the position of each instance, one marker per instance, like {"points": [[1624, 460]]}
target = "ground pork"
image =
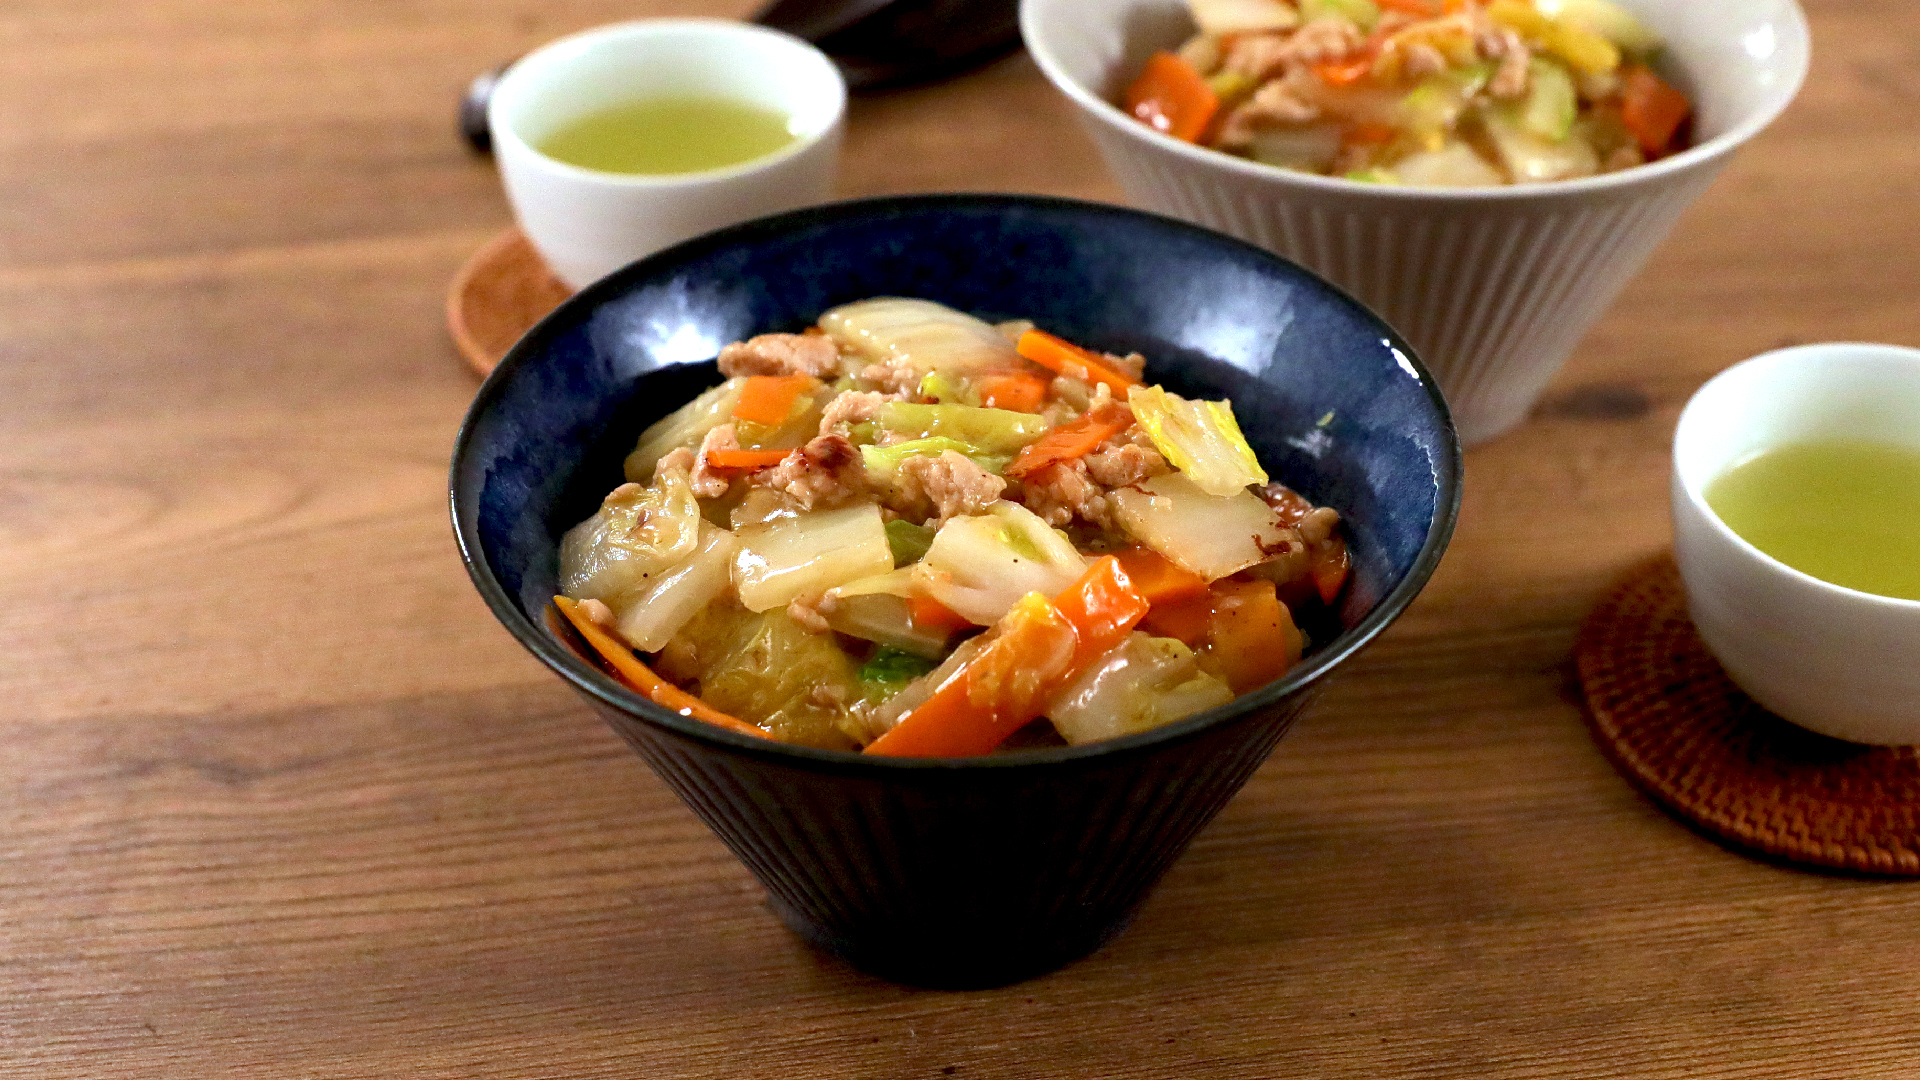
{"points": [[1280, 102], [825, 472], [781, 354], [951, 482], [1062, 492], [1117, 464], [706, 483], [811, 611], [1262, 56], [849, 408], [1510, 80], [678, 459], [896, 378]]}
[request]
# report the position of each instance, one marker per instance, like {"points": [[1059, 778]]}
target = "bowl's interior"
{"points": [[1741, 60], [1333, 402]]}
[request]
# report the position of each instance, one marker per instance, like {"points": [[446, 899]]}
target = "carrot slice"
{"points": [[1423, 9], [1020, 392], [1364, 134], [1251, 639], [1328, 567], [739, 461], [932, 615], [1071, 440], [1651, 108], [1344, 72], [768, 399], [1170, 96], [1036, 649], [635, 675], [1159, 578], [1185, 621], [1059, 357]]}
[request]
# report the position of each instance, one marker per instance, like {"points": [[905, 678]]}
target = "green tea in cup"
{"points": [[1845, 511], [666, 135]]}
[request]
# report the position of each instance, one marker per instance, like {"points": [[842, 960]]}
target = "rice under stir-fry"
{"points": [[912, 532]]}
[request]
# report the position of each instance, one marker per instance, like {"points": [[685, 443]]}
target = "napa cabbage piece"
{"points": [[909, 540], [683, 427], [810, 552], [883, 462], [877, 609], [1453, 165], [1210, 535], [1242, 16], [980, 566], [1200, 438], [986, 431], [648, 619], [637, 534], [768, 670], [1361, 13], [921, 334], [1605, 18], [1142, 683]]}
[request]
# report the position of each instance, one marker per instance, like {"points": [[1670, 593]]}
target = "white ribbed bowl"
{"points": [[1492, 286]]}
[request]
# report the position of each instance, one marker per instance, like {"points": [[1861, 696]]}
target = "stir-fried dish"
{"points": [[1433, 93], [912, 532]]}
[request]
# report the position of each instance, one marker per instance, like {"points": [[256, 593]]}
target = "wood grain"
{"points": [[279, 798]]}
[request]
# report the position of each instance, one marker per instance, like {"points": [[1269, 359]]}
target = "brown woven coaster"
{"points": [[1670, 719], [498, 296]]}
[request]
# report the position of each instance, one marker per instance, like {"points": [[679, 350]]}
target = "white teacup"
{"points": [[1838, 661], [587, 223]]}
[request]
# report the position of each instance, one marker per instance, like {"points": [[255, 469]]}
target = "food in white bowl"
{"points": [[1837, 658], [912, 532], [1432, 93]]}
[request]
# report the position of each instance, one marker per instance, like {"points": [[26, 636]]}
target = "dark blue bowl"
{"points": [[965, 872]]}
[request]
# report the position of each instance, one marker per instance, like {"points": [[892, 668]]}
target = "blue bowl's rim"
{"points": [[603, 690]]}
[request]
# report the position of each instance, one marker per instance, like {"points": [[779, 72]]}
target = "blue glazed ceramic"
{"points": [[966, 872]]}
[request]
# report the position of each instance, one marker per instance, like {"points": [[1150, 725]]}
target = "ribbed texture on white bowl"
{"points": [[1492, 301]]}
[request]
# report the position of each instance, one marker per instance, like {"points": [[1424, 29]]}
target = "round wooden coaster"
{"points": [[1663, 710], [497, 296]]}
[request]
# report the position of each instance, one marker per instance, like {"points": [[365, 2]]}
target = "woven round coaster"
{"points": [[497, 296], [1670, 719]]}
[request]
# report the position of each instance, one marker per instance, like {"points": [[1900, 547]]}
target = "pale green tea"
{"points": [[669, 135], [1847, 512]]}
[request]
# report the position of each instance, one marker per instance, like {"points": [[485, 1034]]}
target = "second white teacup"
{"points": [[1838, 661], [586, 222]]}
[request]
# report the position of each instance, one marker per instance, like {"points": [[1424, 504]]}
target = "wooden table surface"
{"points": [[278, 797]]}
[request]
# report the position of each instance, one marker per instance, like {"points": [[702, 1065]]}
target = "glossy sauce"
{"points": [[1844, 511], [666, 135]]}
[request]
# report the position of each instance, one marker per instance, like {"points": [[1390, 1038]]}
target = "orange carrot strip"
{"points": [[1020, 392], [1186, 621], [1102, 607], [1344, 72], [1071, 440], [638, 677], [932, 615], [1367, 135], [1172, 97], [768, 399], [1424, 9], [1328, 567], [1160, 579], [1651, 108], [994, 694], [744, 460], [1060, 356], [1251, 639]]}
